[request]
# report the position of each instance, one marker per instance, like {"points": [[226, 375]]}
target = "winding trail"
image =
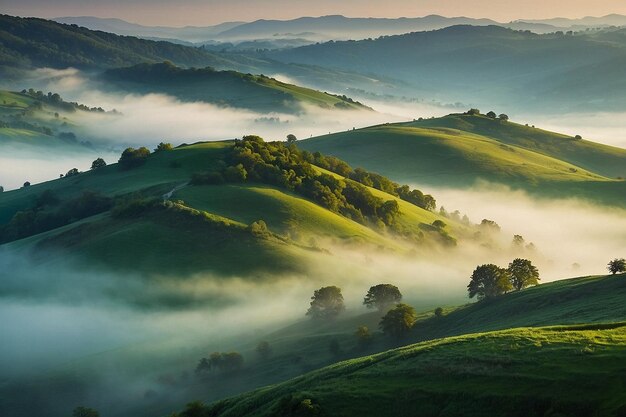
{"points": [[168, 195]]}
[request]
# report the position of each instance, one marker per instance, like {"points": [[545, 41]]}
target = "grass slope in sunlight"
{"points": [[168, 247], [458, 150], [574, 371]]}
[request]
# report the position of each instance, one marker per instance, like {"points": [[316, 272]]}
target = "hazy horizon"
{"points": [[198, 13]]}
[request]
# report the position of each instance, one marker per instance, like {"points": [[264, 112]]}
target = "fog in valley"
{"points": [[66, 315]]}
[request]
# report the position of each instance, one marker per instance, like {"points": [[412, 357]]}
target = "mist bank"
{"points": [[573, 237]]}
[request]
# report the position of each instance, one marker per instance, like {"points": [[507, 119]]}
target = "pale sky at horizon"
{"points": [[208, 12]]}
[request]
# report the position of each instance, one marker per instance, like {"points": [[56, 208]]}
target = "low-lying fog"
{"points": [[51, 316]]}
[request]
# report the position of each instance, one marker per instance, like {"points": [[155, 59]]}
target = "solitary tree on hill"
{"points": [[503, 117], [617, 266], [326, 303], [491, 115], [489, 281], [291, 138], [382, 296], [398, 321], [523, 274], [98, 163], [363, 336]]}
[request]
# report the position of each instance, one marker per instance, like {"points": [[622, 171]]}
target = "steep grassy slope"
{"points": [[223, 87], [516, 372], [457, 150]]}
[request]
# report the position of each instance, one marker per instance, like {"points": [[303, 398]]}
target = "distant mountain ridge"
{"points": [[122, 27], [331, 27], [488, 64]]}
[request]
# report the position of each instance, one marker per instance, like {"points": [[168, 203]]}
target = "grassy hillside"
{"points": [[466, 366], [458, 150], [215, 217], [516, 372], [230, 88], [35, 121]]}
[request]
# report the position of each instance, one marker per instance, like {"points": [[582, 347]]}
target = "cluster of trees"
{"points": [[56, 100], [224, 362], [277, 163], [490, 281], [50, 212], [398, 319], [371, 179], [617, 266], [491, 114], [252, 159]]}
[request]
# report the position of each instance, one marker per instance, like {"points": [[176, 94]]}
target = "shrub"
{"points": [[132, 157]]}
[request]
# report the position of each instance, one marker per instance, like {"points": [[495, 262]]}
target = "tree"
{"points": [[473, 112], [503, 117], [382, 296], [26, 184], [363, 336], [231, 361], [263, 349], [163, 147], [291, 138], [522, 274], [215, 360], [617, 266], [327, 303], [203, 366], [72, 172], [518, 241], [578, 137], [398, 321], [98, 163], [491, 115], [1, 189], [236, 173], [438, 312], [439, 224], [85, 412], [490, 225], [132, 157], [489, 281]]}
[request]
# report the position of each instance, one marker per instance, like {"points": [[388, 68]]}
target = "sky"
{"points": [[207, 12]]}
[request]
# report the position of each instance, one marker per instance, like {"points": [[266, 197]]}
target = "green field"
{"points": [[459, 150]]}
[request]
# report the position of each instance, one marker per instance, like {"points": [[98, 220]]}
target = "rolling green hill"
{"points": [[574, 371], [459, 149], [80, 216], [31, 120], [464, 370], [230, 88]]}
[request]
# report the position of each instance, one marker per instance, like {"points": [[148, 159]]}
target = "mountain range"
{"points": [[324, 28]]}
